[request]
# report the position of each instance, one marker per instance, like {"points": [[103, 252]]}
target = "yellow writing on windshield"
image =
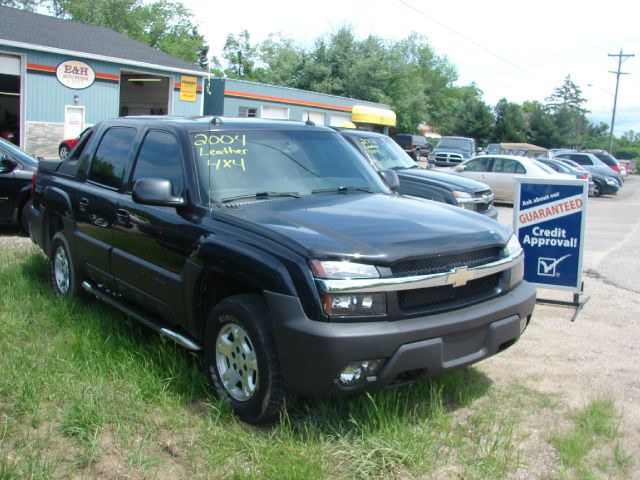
{"points": [[221, 151], [370, 146]]}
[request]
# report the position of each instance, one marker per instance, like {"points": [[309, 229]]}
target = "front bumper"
{"points": [[312, 353]]}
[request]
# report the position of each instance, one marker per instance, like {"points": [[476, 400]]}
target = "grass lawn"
{"points": [[87, 393]]}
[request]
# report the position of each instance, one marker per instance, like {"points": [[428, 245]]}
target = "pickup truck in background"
{"points": [[277, 251], [385, 154], [451, 151]]}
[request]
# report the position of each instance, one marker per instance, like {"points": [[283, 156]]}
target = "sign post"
{"points": [[549, 218]]}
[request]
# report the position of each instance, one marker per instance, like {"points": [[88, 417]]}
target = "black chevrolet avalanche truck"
{"points": [[276, 250]]}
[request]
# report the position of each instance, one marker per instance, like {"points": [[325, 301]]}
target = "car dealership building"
{"points": [[58, 77]]}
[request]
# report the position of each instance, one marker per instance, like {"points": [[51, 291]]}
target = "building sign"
{"points": [[549, 217], [188, 88], [75, 74]]}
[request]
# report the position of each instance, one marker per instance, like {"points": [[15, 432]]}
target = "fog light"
{"points": [[356, 372]]}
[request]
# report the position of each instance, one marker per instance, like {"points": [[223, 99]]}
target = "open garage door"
{"points": [[10, 98], [143, 94]]}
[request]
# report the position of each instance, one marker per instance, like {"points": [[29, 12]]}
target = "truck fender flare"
{"points": [[57, 201], [244, 263]]}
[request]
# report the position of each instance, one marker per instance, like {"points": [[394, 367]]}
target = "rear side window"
{"points": [[581, 159], [71, 164], [112, 156], [479, 165], [159, 157]]}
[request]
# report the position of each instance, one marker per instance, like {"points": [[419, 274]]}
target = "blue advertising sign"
{"points": [[549, 217]]}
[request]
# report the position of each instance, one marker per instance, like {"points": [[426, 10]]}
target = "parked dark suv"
{"points": [[276, 249], [16, 173], [415, 145], [384, 153]]}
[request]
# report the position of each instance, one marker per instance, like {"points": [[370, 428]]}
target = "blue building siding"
{"points": [[45, 97], [227, 96]]}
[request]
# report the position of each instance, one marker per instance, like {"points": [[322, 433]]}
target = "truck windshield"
{"points": [[458, 143], [385, 153], [277, 163]]}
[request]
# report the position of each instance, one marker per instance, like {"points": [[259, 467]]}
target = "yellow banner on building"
{"points": [[188, 88]]}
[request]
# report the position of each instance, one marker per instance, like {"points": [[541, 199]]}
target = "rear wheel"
{"points": [[64, 278], [63, 151], [597, 189], [240, 358], [24, 217]]}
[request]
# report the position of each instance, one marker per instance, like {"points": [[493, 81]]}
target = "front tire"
{"points": [[64, 278], [240, 358]]}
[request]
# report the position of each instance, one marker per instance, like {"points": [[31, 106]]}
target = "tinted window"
{"points": [[111, 157], [160, 157], [478, 165], [71, 164], [580, 159]]}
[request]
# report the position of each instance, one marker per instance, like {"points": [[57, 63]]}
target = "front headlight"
{"points": [[516, 274], [354, 304], [340, 270], [464, 199], [611, 181], [513, 246]]}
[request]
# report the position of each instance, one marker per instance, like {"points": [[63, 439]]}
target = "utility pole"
{"points": [[621, 58]]}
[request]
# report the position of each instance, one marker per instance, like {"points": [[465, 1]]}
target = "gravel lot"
{"points": [[599, 354], [596, 356]]}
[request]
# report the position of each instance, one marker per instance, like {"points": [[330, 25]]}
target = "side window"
{"points": [[498, 165], [159, 157], [479, 165], [580, 159], [71, 164], [520, 168], [111, 157]]}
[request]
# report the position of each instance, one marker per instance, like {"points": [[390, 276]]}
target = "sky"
{"points": [[512, 49]]}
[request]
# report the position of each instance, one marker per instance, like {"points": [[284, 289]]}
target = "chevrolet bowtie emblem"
{"points": [[460, 277]]}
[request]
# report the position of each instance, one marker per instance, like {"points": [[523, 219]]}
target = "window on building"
{"points": [[159, 157], [248, 112], [111, 157]]}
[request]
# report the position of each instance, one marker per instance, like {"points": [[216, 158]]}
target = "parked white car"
{"points": [[499, 172]]}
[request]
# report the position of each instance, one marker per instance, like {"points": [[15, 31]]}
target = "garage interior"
{"points": [[10, 98], [143, 94]]}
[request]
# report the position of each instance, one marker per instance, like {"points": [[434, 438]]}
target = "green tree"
{"points": [[162, 24], [470, 116], [240, 56], [567, 105], [510, 123]]}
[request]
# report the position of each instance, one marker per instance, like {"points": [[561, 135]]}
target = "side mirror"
{"points": [[390, 177], [8, 164], [155, 191], [458, 168]]}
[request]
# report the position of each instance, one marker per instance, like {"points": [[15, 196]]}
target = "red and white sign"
{"points": [[75, 74]]}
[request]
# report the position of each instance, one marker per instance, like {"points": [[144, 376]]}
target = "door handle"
{"points": [[122, 216], [84, 203]]}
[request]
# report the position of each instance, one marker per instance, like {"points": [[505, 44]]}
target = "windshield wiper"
{"points": [[342, 189], [261, 195]]}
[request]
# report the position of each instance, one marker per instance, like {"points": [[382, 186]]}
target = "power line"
{"points": [[464, 37]]}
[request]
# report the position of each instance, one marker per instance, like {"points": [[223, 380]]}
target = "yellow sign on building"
{"points": [[188, 88]]}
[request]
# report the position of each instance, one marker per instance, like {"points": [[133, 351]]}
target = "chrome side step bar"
{"points": [[143, 318]]}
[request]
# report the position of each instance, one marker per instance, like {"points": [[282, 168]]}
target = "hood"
{"points": [[448, 181], [375, 228]]}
